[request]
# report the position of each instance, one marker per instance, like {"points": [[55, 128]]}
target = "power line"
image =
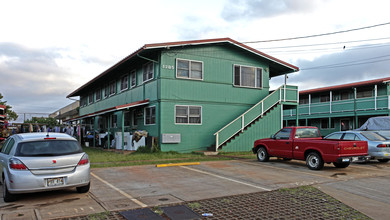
{"points": [[317, 35]]}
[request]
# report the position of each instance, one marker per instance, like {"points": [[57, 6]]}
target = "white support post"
{"points": [[242, 123], [330, 102], [217, 142], [375, 95], [262, 109], [309, 104]]}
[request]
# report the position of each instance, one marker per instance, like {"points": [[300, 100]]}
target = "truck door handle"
{"points": [[287, 142]]}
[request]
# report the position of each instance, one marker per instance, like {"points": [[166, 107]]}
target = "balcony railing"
{"points": [[340, 106], [285, 93]]}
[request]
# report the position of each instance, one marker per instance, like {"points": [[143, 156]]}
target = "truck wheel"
{"points": [[341, 165], [383, 160], [314, 161], [262, 154]]}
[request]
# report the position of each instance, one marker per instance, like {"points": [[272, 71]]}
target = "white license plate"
{"points": [[55, 181], [355, 159]]}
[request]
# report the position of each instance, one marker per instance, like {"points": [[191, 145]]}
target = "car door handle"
{"points": [[287, 142]]}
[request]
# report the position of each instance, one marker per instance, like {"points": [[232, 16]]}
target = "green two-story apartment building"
{"points": [[190, 95], [341, 107]]}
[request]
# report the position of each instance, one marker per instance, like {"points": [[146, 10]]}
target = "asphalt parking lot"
{"points": [[364, 187]]}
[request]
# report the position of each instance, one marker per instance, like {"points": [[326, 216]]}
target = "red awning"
{"points": [[112, 109]]}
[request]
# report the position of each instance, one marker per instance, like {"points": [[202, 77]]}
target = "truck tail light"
{"points": [[382, 145], [84, 160], [16, 164]]}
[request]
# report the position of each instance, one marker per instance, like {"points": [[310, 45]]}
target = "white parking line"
{"points": [[120, 191], [225, 178]]}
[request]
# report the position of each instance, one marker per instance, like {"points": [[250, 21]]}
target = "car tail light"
{"points": [[84, 160], [382, 145], [16, 164]]}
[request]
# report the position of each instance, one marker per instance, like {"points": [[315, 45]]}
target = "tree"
{"points": [[51, 122], [11, 115]]}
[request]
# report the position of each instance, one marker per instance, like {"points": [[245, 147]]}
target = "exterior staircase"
{"points": [[261, 120]]}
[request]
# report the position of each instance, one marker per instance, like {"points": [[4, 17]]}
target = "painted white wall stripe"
{"points": [[120, 191], [225, 178]]}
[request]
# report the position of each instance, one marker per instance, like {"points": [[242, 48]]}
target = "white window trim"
{"points": [[109, 88], [261, 77], [145, 115], [144, 81], [189, 77], [104, 91], [188, 106], [135, 76], [124, 75]]}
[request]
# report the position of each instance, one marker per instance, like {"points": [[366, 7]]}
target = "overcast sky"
{"points": [[49, 48]]}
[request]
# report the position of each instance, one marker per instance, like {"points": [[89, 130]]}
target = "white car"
{"points": [[378, 143], [34, 162]]}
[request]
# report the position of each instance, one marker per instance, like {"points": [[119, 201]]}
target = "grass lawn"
{"points": [[106, 158]]}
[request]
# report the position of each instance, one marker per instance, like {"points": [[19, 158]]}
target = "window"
{"points": [[307, 133], [189, 69], [345, 95], [188, 114], [112, 88], [127, 118], [133, 79], [148, 71], [83, 101], [325, 123], [247, 76], [325, 98], [364, 93], [150, 115], [113, 121], [335, 136], [90, 98], [351, 137], [124, 82], [98, 95], [106, 91], [135, 121], [283, 134], [304, 100]]}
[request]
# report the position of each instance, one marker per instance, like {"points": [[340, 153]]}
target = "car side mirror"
{"points": [[272, 136]]}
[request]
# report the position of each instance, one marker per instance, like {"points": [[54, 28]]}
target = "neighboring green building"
{"points": [[342, 107], [182, 93]]}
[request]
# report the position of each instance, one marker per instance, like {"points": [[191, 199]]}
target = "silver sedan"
{"points": [[37, 162], [378, 143]]}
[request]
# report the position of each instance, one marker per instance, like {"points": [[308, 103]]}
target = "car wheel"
{"points": [[314, 161], [83, 189], [341, 165], [383, 160], [7, 196], [262, 154]]}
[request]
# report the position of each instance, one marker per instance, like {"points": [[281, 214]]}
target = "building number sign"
{"points": [[170, 67]]}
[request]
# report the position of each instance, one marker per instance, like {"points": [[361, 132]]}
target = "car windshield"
{"points": [[372, 136], [48, 148]]}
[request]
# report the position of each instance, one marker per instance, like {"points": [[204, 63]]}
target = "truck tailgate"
{"points": [[350, 148]]}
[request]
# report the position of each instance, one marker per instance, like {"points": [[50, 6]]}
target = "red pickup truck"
{"points": [[305, 143]]}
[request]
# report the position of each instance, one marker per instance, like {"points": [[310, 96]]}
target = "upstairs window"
{"points": [[83, 101], [246, 76], [189, 69], [124, 82], [325, 98], [133, 79], [188, 114], [112, 88], [106, 91], [364, 93], [148, 71], [90, 98], [98, 94]]}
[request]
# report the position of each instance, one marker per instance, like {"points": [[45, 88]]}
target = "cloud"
{"points": [[254, 9], [353, 65], [31, 78]]}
